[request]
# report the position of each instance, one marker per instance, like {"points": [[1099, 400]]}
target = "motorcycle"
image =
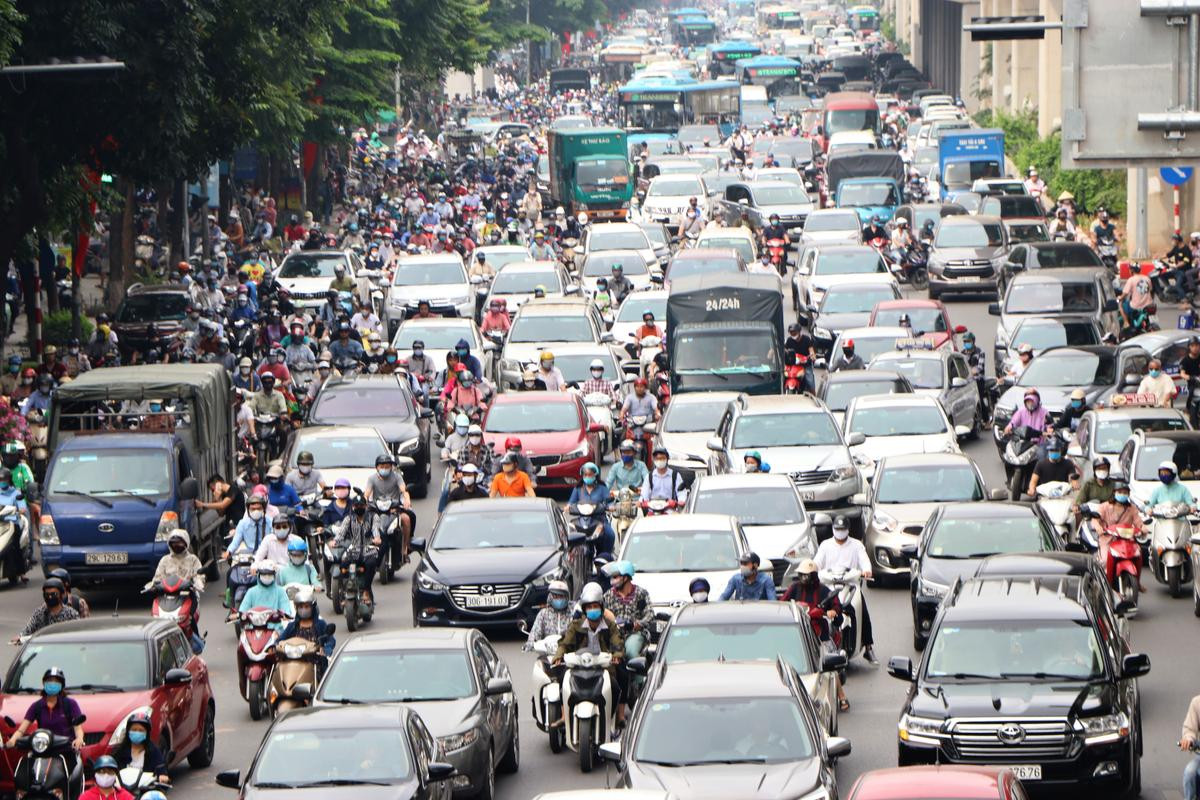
{"points": [[849, 587], [644, 350], [241, 578], [1106, 246], [600, 409], [267, 428], [793, 375], [642, 439], [589, 520], [1123, 567], [1020, 456], [624, 512], [347, 591], [43, 773], [914, 265], [255, 655], [587, 697], [657, 506], [39, 444], [1144, 320], [777, 249], [1170, 541], [310, 526], [387, 527], [547, 694], [138, 781], [294, 674], [14, 537], [1055, 499], [661, 388], [176, 599]]}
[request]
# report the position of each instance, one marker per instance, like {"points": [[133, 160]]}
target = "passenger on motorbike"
{"points": [[699, 590], [299, 569], [639, 404], [596, 632], [357, 538], [309, 626], [824, 610], [1053, 468], [753, 463], [305, 479], [840, 552], [627, 472], [137, 750], [630, 604], [554, 617], [1158, 383], [1171, 490], [389, 483], [71, 598], [748, 583], [550, 375], [1097, 489], [274, 548], [1076, 407], [280, 493], [664, 482], [496, 318], [591, 490], [466, 485]]}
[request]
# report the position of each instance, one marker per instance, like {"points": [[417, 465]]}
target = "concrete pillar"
{"points": [[1024, 63], [917, 56], [970, 56], [1160, 211], [1049, 95]]}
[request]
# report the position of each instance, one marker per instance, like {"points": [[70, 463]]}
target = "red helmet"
{"points": [[640, 382], [512, 443]]}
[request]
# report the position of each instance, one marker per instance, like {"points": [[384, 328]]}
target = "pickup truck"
{"points": [[762, 199]]}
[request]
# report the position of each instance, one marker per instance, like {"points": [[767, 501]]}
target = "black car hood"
{"points": [[490, 565], [399, 791], [947, 570], [1013, 698], [390, 429], [721, 781]]}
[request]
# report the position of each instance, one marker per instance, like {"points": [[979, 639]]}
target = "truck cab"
{"points": [[870, 197]]}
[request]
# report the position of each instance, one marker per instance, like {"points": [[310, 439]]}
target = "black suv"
{"points": [[1031, 674]]}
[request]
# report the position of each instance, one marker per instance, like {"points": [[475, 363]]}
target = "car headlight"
{"points": [[822, 333], [801, 548], [118, 734], [918, 726], [845, 473], [409, 446], [1107, 728], [543, 580], [930, 589], [429, 584], [167, 523], [884, 522], [47, 531], [457, 741], [578, 452]]}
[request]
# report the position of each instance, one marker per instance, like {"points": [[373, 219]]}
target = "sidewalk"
{"points": [[18, 341]]}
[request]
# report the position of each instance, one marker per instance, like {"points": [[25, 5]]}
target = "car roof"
{"points": [[739, 233], [500, 248], [360, 379], [105, 629], [833, 212], [924, 459], [775, 403], [484, 505], [437, 322], [517, 398], [158, 288], [626, 253], [929, 782], [892, 400], [1161, 337], [845, 248], [1057, 275], [1171, 436], [991, 510], [735, 611], [551, 305], [876, 332], [1056, 245], [1057, 319], [611, 227], [1049, 563], [928, 355], [672, 523], [736, 480], [709, 679], [381, 715], [1142, 412], [411, 638], [1032, 597]]}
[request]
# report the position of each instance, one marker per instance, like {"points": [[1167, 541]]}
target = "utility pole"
{"points": [[528, 50]]}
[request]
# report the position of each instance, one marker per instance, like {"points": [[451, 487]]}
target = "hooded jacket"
{"points": [[184, 565], [472, 363]]}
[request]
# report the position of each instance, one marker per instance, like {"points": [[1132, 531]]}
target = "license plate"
{"points": [[970, 279], [1027, 772], [808, 495], [487, 601], [106, 558]]}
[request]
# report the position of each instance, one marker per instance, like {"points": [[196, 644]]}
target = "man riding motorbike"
{"points": [[840, 552]]}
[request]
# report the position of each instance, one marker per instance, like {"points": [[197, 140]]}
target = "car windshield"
{"points": [[497, 259], [694, 265], [657, 235], [311, 266], [693, 417], [867, 347], [1046, 333], [157, 307], [774, 505], [1028, 232], [745, 641], [604, 174], [719, 352], [331, 453], [921, 320], [901, 420], [781, 194], [986, 536], [1069, 368], [839, 394], [1048, 297], [108, 666], [576, 367], [853, 262], [358, 402], [856, 298], [1112, 433], [741, 244], [144, 472], [525, 281], [951, 483], [785, 430], [398, 676], [635, 306], [498, 527], [600, 265], [922, 373], [723, 731], [1026, 649], [425, 273], [332, 757], [675, 186], [972, 234], [1068, 255], [440, 337], [547, 328], [1012, 205], [866, 194], [832, 222], [532, 418], [681, 551], [617, 240], [1185, 454]]}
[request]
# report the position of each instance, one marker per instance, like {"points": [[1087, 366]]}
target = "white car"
{"points": [[629, 315], [897, 425], [598, 265], [306, 274], [819, 267], [340, 451], [687, 424], [539, 325], [672, 550], [667, 199], [440, 335], [869, 342], [605, 236], [770, 510], [439, 279], [739, 239], [832, 226], [516, 283]]}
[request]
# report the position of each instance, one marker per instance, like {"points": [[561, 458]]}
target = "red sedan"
{"points": [[928, 317], [555, 432], [115, 667], [938, 783]]}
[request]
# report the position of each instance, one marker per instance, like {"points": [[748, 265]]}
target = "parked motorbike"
{"points": [[14, 537], [1020, 456], [1170, 541], [547, 694], [294, 674], [1055, 498], [255, 655], [587, 697]]}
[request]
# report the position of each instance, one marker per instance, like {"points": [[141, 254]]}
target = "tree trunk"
{"points": [[177, 224], [120, 244]]}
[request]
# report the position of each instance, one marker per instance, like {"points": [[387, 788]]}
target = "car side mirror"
{"points": [[572, 288], [820, 518], [958, 383], [900, 667], [837, 746], [1135, 665], [1075, 547], [859, 499], [490, 347], [573, 539], [994, 309], [230, 778], [832, 662], [650, 427], [1075, 450], [577, 249], [909, 550], [1132, 379], [611, 752], [441, 771], [418, 544], [426, 413], [177, 677], [637, 666], [607, 337], [714, 443], [189, 489], [302, 691], [596, 427], [856, 438], [961, 431], [497, 686], [1110, 305], [997, 494]]}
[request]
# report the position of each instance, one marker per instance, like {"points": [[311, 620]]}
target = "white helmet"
{"points": [[592, 593], [596, 364], [583, 218], [1164, 465], [266, 566], [560, 212], [559, 587]]}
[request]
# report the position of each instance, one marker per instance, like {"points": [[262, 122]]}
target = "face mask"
{"points": [[808, 579], [558, 603], [468, 480], [341, 494], [751, 467], [304, 613], [597, 374], [1030, 405], [1101, 474], [1121, 498], [1055, 456], [699, 597], [593, 614], [548, 365], [968, 345], [305, 469], [137, 737], [475, 438], [746, 571], [4, 487], [626, 459], [589, 479], [660, 463], [1154, 373], [1166, 477], [243, 301], [105, 780], [418, 352], [256, 515], [1076, 403], [266, 580], [244, 370], [281, 533], [841, 534], [384, 471], [462, 352], [178, 548], [391, 359], [73, 351], [52, 600], [461, 431], [298, 559], [360, 511], [52, 687]]}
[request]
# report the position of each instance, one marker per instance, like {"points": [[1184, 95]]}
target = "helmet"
{"points": [[750, 558], [512, 443], [661, 451], [1165, 465], [596, 364], [62, 575], [840, 523], [474, 430], [698, 585], [178, 533], [1024, 349], [384, 458], [547, 356], [297, 545], [559, 587], [305, 458], [591, 593], [640, 382], [54, 583], [342, 483], [753, 454], [627, 444], [623, 567], [807, 567], [265, 567], [104, 762], [1097, 463], [1078, 394], [583, 218], [138, 718], [590, 466], [902, 223], [54, 673]]}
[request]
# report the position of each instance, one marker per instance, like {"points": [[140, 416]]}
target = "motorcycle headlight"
{"points": [[430, 584], [845, 473], [931, 589], [543, 580], [457, 741], [40, 742], [1107, 728], [910, 726], [885, 522], [409, 446]]}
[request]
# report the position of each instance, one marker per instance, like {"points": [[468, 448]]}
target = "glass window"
{"points": [[1185, 454], [866, 194], [618, 240], [923, 320], [116, 666], [970, 235], [576, 367], [986, 536], [425, 273], [675, 186], [532, 418], [922, 373], [166, 657], [1040, 297], [832, 222], [849, 262], [723, 731], [332, 757], [785, 430], [111, 472], [1112, 432], [441, 337], [1040, 650], [311, 266], [682, 267], [333, 453], [856, 299], [681, 551], [767, 506], [635, 306], [781, 194], [599, 265], [1069, 368], [357, 402], [525, 281], [545, 328], [153, 307], [750, 642], [602, 174], [898, 421], [693, 417], [1063, 256], [839, 394], [484, 529], [1042, 334], [399, 676], [951, 483]]}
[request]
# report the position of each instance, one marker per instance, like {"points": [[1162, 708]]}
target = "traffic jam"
{"points": [[573, 450]]}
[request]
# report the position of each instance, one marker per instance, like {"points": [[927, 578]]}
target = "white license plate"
{"points": [[487, 601], [970, 279], [106, 558], [1027, 772], [808, 495]]}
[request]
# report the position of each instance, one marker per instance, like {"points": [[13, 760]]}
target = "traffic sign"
{"points": [[1176, 176]]}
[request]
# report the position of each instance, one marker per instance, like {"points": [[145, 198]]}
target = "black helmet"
{"points": [[138, 718], [698, 585], [55, 674], [54, 583], [385, 458], [305, 458], [62, 575], [1099, 462]]}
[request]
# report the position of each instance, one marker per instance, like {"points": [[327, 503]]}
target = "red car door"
{"points": [[170, 703]]}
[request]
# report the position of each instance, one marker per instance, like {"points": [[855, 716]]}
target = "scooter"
{"points": [[1020, 456], [255, 655], [547, 694], [294, 675], [1107, 248], [347, 591], [600, 409], [641, 438], [849, 587], [310, 525], [1055, 499], [138, 781], [657, 506], [624, 512], [176, 599], [241, 578], [14, 537], [43, 773], [266, 426], [589, 520], [793, 375], [387, 527], [1123, 566], [777, 249], [1170, 541], [588, 699]]}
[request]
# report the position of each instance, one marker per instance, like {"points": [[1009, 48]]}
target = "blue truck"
{"points": [[965, 156], [133, 448], [869, 181]]}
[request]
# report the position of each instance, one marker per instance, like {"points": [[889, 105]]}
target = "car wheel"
{"points": [[512, 758], [487, 790], [202, 756]]}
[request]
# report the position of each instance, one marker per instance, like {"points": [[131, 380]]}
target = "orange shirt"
{"points": [[515, 485]]}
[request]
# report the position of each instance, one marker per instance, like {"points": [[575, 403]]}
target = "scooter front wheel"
{"points": [[920, 278], [587, 747], [1014, 484], [254, 696], [351, 613], [1175, 580]]}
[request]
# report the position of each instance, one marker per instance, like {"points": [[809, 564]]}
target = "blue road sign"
{"points": [[1176, 176]]}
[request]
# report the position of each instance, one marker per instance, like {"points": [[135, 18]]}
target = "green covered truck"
{"points": [[589, 171]]}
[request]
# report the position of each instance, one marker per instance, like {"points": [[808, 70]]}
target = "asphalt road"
{"points": [[1164, 628]]}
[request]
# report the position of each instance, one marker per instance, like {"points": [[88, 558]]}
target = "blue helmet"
{"points": [[297, 545], [589, 467], [105, 762], [624, 568]]}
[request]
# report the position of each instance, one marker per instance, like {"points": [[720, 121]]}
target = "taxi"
{"points": [[939, 373], [1103, 431], [1144, 451]]}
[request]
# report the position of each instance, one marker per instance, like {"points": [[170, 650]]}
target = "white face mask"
{"points": [[468, 480], [475, 438], [1102, 474], [305, 469], [660, 463], [256, 515], [699, 597], [841, 534], [105, 780], [266, 580]]}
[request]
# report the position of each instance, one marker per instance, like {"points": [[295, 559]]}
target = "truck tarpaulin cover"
{"points": [[863, 164], [735, 297]]}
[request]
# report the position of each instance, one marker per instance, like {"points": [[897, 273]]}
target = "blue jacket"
{"points": [[471, 361], [597, 496], [282, 495], [738, 588]]}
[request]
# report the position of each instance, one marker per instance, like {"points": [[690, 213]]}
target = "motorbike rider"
{"points": [[267, 593], [496, 318], [388, 482], [639, 404], [699, 590], [420, 365], [841, 552], [1171, 490], [549, 374], [298, 569], [901, 236], [848, 359], [977, 361], [72, 598], [274, 548], [799, 343], [476, 452], [664, 482], [630, 604], [356, 536], [510, 481], [305, 479], [874, 230], [10, 495], [309, 626], [51, 611], [137, 750], [692, 223], [339, 509], [598, 384], [1136, 295], [267, 402], [748, 583], [618, 285], [346, 347], [596, 632], [252, 530], [1180, 259], [1157, 383], [1076, 407], [54, 711], [1018, 367], [591, 490], [1189, 368], [280, 493], [1098, 488], [1054, 467], [179, 562], [773, 230], [540, 250], [466, 485], [824, 609], [1061, 226], [1103, 229], [627, 472], [554, 617], [1031, 414], [39, 400], [1116, 512], [752, 463], [512, 446]]}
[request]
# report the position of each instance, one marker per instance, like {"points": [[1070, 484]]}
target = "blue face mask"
{"points": [[137, 737], [968, 345], [462, 352], [1121, 498], [1154, 373], [1076, 403], [589, 479], [1166, 477], [626, 459], [1055, 455], [461, 431], [594, 614], [52, 687], [558, 603]]}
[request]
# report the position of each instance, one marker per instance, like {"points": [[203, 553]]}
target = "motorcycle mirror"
{"points": [[426, 413], [417, 544], [232, 778], [189, 489]]}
